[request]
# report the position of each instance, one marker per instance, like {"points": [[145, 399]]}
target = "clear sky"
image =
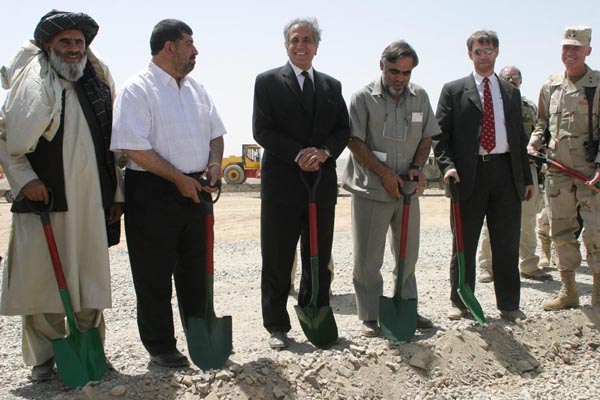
{"points": [[239, 39]]}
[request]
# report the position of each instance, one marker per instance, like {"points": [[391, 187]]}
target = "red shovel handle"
{"points": [[208, 202], [457, 217], [43, 211], [312, 211], [538, 158]]}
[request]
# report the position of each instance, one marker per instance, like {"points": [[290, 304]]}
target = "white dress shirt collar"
{"points": [[479, 79], [298, 72], [163, 77]]}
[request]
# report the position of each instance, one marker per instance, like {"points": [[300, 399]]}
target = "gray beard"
{"points": [[392, 91], [69, 71]]}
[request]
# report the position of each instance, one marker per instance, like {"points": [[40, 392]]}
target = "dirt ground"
{"points": [[546, 356], [239, 217]]}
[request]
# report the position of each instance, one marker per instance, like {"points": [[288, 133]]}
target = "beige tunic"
{"points": [[28, 282]]}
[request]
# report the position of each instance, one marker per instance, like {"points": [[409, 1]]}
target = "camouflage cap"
{"points": [[577, 36]]}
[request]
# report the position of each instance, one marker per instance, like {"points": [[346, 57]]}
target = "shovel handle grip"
{"points": [[206, 197], [413, 185], [312, 190]]}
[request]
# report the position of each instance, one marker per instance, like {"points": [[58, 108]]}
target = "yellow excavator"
{"points": [[236, 169]]}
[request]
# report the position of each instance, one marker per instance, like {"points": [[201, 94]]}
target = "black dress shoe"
{"points": [[171, 359], [43, 372], [278, 340], [423, 323], [512, 315]]}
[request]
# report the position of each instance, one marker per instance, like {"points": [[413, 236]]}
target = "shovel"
{"points": [[317, 323], [209, 338], [398, 316], [538, 158], [464, 290], [80, 356]]}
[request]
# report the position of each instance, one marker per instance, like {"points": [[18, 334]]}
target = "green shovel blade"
{"points": [[210, 341], [397, 318], [318, 324], [468, 298], [80, 358], [466, 293]]}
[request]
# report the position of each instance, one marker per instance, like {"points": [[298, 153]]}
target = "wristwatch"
{"points": [[597, 165], [326, 151], [415, 166]]}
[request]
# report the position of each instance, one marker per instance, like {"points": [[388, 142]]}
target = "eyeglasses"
{"points": [[395, 71], [513, 77], [487, 52]]}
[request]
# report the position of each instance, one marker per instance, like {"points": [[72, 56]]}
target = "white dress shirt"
{"points": [[499, 121], [300, 77], [153, 113]]}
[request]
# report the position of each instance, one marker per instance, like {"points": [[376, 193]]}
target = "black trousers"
{"points": [[281, 226], [494, 197], [166, 240]]}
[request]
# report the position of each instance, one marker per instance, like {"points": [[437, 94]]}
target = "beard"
{"points": [[391, 90], [184, 66], [69, 71]]}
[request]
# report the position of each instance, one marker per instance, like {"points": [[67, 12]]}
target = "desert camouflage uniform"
{"points": [[563, 107]]}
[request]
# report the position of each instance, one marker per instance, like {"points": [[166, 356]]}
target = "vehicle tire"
{"points": [[234, 174], [9, 196]]}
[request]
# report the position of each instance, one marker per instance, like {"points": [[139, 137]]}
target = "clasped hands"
{"points": [[311, 159]]}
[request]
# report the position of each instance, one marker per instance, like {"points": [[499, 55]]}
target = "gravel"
{"points": [[546, 356]]}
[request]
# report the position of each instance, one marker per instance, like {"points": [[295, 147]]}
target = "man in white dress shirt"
{"points": [[168, 126]]}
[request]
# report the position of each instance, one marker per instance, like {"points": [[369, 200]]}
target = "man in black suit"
{"points": [[301, 120], [482, 146]]}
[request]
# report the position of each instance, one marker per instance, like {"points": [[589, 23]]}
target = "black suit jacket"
{"points": [[283, 126], [460, 116]]}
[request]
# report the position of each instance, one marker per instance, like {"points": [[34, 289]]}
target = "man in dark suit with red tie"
{"points": [[483, 147], [301, 120]]}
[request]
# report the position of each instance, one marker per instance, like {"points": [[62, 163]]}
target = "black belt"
{"points": [[492, 157], [196, 175]]}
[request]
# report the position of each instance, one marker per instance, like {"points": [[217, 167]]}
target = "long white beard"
{"points": [[69, 71]]}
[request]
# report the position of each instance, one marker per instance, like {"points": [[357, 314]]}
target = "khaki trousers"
{"points": [[371, 221], [40, 329], [564, 194]]}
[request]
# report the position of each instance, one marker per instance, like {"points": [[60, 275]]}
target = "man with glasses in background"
{"points": [[391, 122], [529, 261], [482, 147]]}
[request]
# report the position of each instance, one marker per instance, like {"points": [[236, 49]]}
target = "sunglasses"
{"points": [[487, 52], [514, 77]]}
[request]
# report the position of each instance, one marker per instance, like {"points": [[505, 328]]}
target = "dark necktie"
{"points": [[308, 92], [488, 136]]}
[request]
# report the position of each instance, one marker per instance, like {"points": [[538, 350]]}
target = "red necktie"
{"points": [[488, 136]]}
